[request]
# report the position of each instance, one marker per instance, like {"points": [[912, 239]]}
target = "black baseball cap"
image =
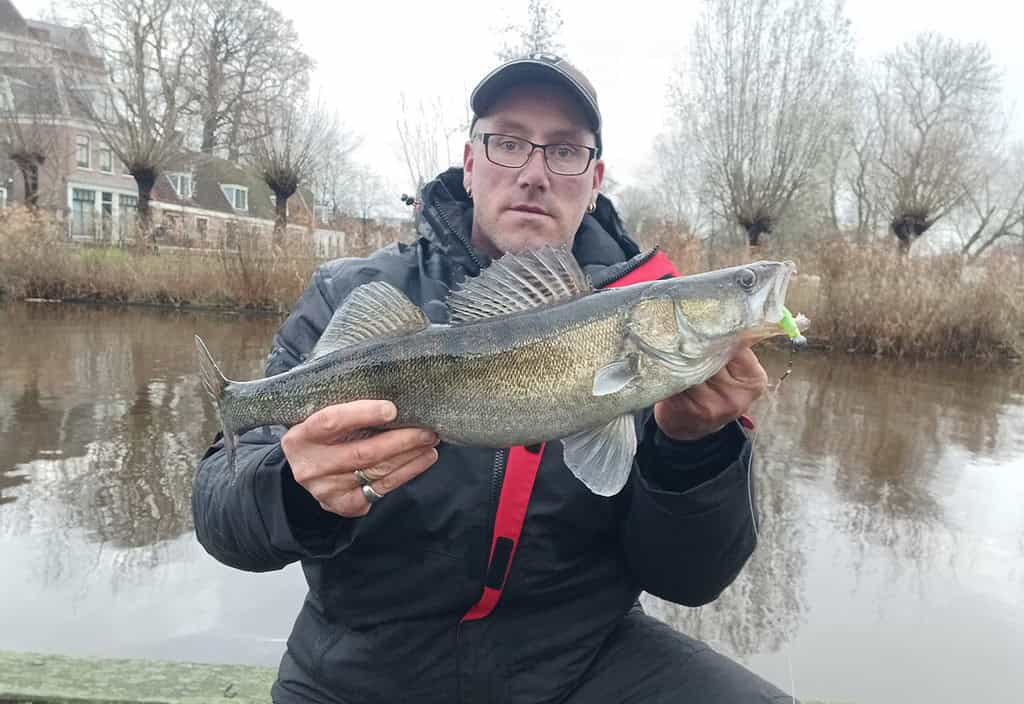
{"points": [[538, 67]]}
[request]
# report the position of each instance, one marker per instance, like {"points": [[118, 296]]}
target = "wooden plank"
{"points": [[59, 679]]}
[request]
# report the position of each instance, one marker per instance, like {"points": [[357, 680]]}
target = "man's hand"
{"points": [[323, 458], [708, 407]]}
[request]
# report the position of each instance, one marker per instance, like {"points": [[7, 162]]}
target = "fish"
{"points": [[532, 353]]}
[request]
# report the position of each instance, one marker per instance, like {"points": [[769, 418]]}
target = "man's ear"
{"points": [[598, 180], [467, 165]]}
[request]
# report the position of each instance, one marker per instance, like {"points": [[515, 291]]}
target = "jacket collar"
{"points": [[445, 225]]}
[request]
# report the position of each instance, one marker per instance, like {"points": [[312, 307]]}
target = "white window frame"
{"points": [[179, 179], [231, 191], [88, 151], [106, 155]]}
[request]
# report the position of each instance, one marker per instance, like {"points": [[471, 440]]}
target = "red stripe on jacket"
{"points": [[521, 473]]}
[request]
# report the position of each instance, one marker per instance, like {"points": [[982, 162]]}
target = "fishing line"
{"points": [[773, 395]]}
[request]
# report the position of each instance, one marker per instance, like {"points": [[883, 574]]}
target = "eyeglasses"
{"points": [[513, 152]]}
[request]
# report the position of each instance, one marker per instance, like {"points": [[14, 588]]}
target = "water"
{"points": [[890, 567]]}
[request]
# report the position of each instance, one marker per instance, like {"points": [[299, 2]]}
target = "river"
{"points": [[890, 565]]}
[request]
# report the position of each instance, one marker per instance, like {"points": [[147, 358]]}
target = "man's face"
{"points": [[515, 209]]}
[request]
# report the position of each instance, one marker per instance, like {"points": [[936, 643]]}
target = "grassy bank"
{"points": [[859, 298], [36, 261]]}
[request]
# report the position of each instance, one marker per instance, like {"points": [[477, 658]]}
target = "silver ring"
{"points": [[370, 495], [363, 479]]}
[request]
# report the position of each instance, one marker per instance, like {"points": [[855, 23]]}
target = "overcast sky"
{"points": [[367, 52]]}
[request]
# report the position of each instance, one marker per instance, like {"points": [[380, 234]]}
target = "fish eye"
{"points": [[747, 279]]}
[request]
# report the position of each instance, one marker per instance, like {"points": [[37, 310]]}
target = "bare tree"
{"points": [[368, 196], [29, 109], [934, 109], [147, 46], [760, 99], [247, 55], [995, 208], [294, 136], [855, 176], [679, 201], [538, 35], [426, 137]]}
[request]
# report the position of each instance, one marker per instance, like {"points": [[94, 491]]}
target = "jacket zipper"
{"points": [[469, 249], [497, 479], [639, 262]]}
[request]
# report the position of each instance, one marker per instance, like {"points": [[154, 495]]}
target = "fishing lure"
{"points": [[792, 328]]}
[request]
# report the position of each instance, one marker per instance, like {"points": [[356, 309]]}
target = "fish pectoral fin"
{"points": [[373, 310], [602, 457], [615, 376], [519, 282], [689, 363]]}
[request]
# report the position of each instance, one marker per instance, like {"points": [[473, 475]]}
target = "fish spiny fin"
{"points": [[209, 373], [373, 310], [215, 383], [602, 458], [519, 282]]}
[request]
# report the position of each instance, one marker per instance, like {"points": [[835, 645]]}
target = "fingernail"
{"points": [[390, 411], [427, 436]]}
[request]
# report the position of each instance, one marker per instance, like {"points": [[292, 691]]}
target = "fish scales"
{"points": [[533, 354], [518, 380]]}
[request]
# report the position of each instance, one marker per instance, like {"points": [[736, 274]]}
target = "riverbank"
{"points": [[32, 678], [859, 298]]}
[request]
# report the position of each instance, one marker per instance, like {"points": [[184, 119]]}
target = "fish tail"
{"points": [[215, 383]]}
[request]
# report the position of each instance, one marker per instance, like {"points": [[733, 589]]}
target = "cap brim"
{"points": [[525, 71]]}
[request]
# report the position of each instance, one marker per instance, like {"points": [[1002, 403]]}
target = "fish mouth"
{"points": [[775, 303], [772, 307]]}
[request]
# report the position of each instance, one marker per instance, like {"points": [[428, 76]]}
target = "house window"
{"points": [[107, 160], [82, 151], [106, 108], [6, 96], [83, 212], [182, 183], [238, 196], [107, 213], [127, 207], [202, 228]]}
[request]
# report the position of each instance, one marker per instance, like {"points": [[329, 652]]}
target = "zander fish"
{"points": [[533, 353]]}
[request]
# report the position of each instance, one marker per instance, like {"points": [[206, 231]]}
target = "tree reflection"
{"points": [[103, 418], [870, 442]]}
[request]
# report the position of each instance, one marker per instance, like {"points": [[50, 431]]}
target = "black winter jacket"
{"points": [[381, 620]]}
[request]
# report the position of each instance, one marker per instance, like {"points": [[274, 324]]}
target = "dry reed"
{"points": [[860, 298]]}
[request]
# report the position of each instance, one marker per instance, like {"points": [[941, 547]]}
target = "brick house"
{"points": [[199, 200]]}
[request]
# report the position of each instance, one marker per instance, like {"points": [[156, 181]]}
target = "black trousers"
{"points": [[647, 662]]}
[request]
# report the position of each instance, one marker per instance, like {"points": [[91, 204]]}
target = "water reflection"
{"points": [[887, 491], [102, 419], [868, 462]]}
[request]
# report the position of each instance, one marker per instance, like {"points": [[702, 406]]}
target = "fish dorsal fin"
{"points": [[376, 309], [519, 282]]}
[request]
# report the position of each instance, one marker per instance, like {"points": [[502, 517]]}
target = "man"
{"points": [[453, 574]]}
